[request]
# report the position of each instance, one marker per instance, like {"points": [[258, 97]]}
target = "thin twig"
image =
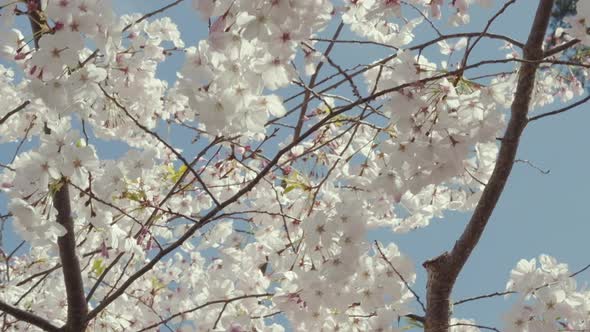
{"points": [[14, 111], [513, 292], [312, 82], [477, 326], [150, 14], [486, 296], [524, 161], [561, 110], [481, 35], [22, 141], [424, 17], [102, 276], [400, 276], [225, 302], [580, 271], [166, 144]]}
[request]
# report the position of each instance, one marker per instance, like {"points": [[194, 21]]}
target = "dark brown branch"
{"points": [[38, 274], [209, 216], [38, 22], [424, 16], [561, 110], [150, 14], [102, 276], [439, 38], [480, 36], [77, 308], [166, 144], [560, 48], [483, 327], [375, 64], [9, 257], [225, 302], [8, 168], [580, 271], [55, 267], [353, 41], [14, 111], [219, 316], [355, 89], [312, 82], [444, 269], [486, 296], [400, 276], [31, 289], [28, 317], [530, 164], [513, 292], [489, 24], [178, 183]]}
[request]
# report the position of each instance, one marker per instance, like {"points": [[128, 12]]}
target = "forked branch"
{"points": [[444, 269]]}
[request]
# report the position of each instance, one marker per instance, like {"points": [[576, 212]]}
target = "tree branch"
{"points": [[150, 14], [561, 110], [77, 308], [271, 163], [485, 296], [14, 111], [400, 276], [560, 48], [312, 82], [225, 302], [166, 144], [444, 269], [28, 317]]}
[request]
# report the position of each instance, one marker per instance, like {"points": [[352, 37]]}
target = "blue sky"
{"points": [[536, 214]]}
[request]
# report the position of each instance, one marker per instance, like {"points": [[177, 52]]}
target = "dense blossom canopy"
{"points": [[262, 223]]}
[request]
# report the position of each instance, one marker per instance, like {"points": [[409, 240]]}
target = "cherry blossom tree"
{"points": [[258, 221]]}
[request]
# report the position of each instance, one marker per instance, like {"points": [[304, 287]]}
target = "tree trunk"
{"points": [[444, 269]]}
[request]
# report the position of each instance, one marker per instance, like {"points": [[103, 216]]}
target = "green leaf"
{"points": [[289, 188], [412, 323], [181, 170], [157, 284], [137, 196], [54, 187], [173, 174], [98, 267]]}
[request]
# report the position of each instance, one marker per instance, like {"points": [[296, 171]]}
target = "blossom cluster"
{"points": [[580, 23], [263, 221], [548, 298]]}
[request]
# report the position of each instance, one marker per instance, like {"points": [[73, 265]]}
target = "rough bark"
{"points": [[444, 269], [76, 300]]}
